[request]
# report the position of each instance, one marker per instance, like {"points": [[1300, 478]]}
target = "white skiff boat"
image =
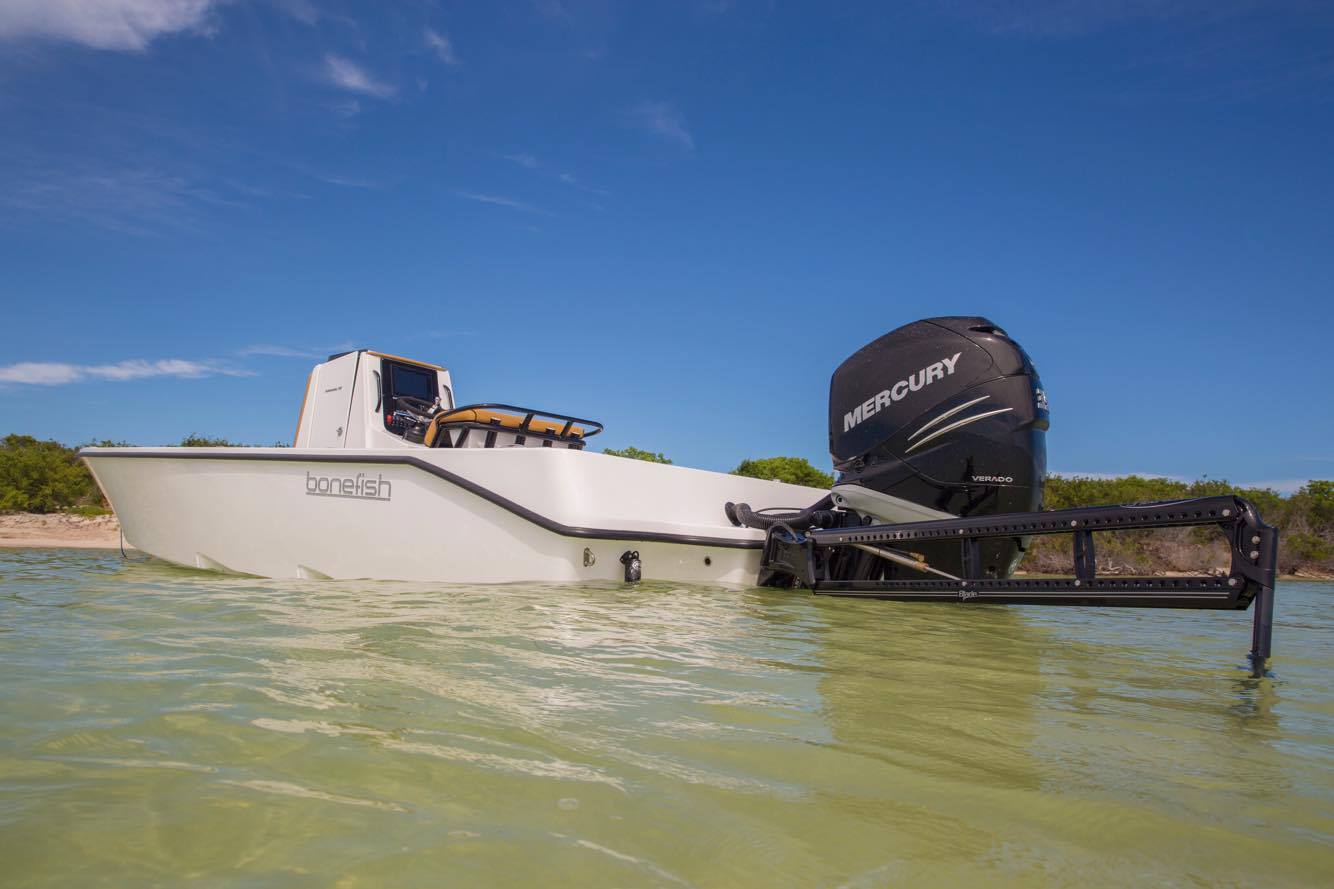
{"points": [[937, 431], [389, 479]]}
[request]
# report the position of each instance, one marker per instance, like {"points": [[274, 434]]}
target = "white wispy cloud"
{"points": [[346, 108], [552, 9], [532, 162], [127, 25], [575, 182], [346, 74], [270, 351], [304, 11], [502, 201], [1200, 51], [526, 161], [665, 120], [440, 45], [139, 200], [347, 181], [55, 373]]}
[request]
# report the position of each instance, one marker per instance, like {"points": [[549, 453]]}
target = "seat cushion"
{"points": [[496, 418]]}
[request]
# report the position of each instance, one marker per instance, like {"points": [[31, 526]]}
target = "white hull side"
{"points": [[467, 516]]}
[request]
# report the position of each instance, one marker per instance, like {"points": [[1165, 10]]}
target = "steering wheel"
{"points": [[418, 406]]}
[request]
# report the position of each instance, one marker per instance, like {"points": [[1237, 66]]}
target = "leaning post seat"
{"points": [[504, 425]]}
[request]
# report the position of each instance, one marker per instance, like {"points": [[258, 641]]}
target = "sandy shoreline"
{"points": [[57, 530]]}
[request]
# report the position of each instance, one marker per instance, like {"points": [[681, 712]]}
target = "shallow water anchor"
{"points": [[1262, 632], [817, 559]]}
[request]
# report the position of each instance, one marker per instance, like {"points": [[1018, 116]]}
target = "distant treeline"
{"points": [[46, 476], [1305, 521], [793, 470]]}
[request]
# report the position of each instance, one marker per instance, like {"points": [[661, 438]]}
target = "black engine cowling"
{"points": [[942, 417]]}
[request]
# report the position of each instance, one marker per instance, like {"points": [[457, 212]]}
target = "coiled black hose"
{"points": [[817, 515]]}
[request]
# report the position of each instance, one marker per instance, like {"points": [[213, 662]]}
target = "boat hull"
{"points": [[467, 516]]}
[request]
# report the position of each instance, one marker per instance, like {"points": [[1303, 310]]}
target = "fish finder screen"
{"points": [[413, 383]]}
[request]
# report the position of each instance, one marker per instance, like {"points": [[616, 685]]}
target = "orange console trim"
{"points": [[404, 360], [296, 439]]}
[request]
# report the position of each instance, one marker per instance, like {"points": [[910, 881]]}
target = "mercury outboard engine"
{"points": [[938, 432], [941, 418]]}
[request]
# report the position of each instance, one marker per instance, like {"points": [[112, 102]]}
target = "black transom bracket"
{"points": [[802, 558]]}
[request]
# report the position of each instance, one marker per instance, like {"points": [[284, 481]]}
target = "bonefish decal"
{"points": [[359, 488]]}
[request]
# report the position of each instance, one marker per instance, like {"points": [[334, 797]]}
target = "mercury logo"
{"points": [[359, 488], [883, 399]]}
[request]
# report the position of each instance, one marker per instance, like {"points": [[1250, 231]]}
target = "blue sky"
{"points": [[677, 218]]}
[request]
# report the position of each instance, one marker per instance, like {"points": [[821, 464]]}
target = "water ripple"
{"points": [[159, 725]]}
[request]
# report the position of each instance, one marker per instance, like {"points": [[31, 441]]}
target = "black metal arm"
{"points": [[804, 558]]}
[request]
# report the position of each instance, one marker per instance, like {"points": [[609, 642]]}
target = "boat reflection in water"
{"points": [[1076, 742]]}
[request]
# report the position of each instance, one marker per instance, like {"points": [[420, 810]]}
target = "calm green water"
{"points": [[162, 727]]}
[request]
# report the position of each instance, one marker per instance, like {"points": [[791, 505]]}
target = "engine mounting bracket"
{"points": [[792, 558]]}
